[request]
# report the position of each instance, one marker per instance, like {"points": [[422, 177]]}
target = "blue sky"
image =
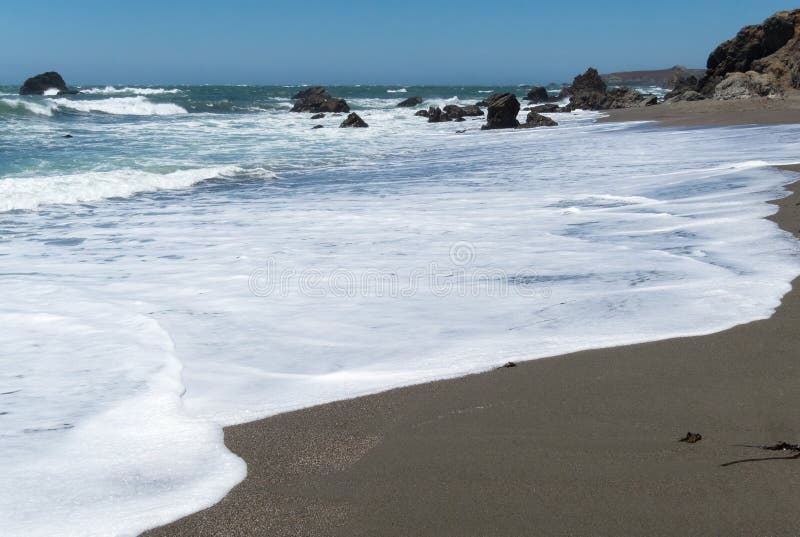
{"points": [[413, 41]]}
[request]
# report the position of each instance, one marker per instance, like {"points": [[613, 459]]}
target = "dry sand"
{"points": [[584, 444], [712, 113]]}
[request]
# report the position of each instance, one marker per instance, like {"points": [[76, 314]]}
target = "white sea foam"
{"points": [[127, 106], [111, 90], [51, 91], [401, 90], [32, 192], [599, 234], [42, 108]]}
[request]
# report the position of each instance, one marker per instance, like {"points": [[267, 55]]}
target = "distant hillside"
{"points": [[661, 77]]}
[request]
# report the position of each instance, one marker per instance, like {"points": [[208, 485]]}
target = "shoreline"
{"points": [[578, 444], [711, 113]]}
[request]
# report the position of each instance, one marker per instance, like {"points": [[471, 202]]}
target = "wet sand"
{"points": [[583, 444]]}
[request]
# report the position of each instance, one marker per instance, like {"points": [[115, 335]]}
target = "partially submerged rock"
{"points": [[538, 94], [489, 100], [317, 99], [502, 113], [39, 84], [435, 115], [546, 108], [589, 92], [422, 113], [318, 116], [411, 101], [535, 119], [453, 111], [353, 121]]}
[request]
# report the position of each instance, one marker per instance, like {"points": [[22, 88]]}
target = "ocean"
{"points": [[198, 256]]}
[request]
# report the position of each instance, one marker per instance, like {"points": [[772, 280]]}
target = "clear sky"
{"points": [[371, 41]]}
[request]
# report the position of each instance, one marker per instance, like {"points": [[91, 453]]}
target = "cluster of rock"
{"points": [[538, 95], [503, 111], [410, 102], [40, 84], [316, 99], [590, 92], [451, 112], [762, 60]]}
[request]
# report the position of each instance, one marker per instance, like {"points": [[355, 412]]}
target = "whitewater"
{"points": [[197, 257]]}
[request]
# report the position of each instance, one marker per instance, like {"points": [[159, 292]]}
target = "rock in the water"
{"points": [[318, 116], [316, 127], [314, 90], [435, 115], [502, 113], [589, 92], [489, 100], [411, 101], [746, 86], [353, 121], [751, 44], [422, 113], [546, 108], [67, 136], [538, 94], [454, 111], [317, 99], [534, 120], [39, 84]]}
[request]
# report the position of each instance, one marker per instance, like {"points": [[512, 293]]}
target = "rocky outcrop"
{"points": [[589, 92], [681, 83], [546, 108], [538, 94], [410, 102], [353, 121], [588, 81], [489, 100], [422, 113], [769, 48], [317, 99], [435, 115], [746, 86], [663, 78], [318, 116], [502, 113], [454, 111], [689, 95], [39, 84], [534, 120]]}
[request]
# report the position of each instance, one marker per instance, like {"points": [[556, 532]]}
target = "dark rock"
{"points": [[353, 121], [502, 112], [627, 98], [681, 83], [459, 119], [546, 108], [37, 85], [509, 364], [691, 438], [752, 43], [316, 127], [534, 120], [316, 99], [454, 111], [314, 90], [411, 101], [318, 116], [435, 115], [589, 81], [422, 113], [489, 100], [67, 136], [538, 94]]}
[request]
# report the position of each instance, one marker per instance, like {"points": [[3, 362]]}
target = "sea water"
{"points": [[196, 257]]}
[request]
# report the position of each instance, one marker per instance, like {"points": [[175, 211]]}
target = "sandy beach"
{"points": [[582, 444]]}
